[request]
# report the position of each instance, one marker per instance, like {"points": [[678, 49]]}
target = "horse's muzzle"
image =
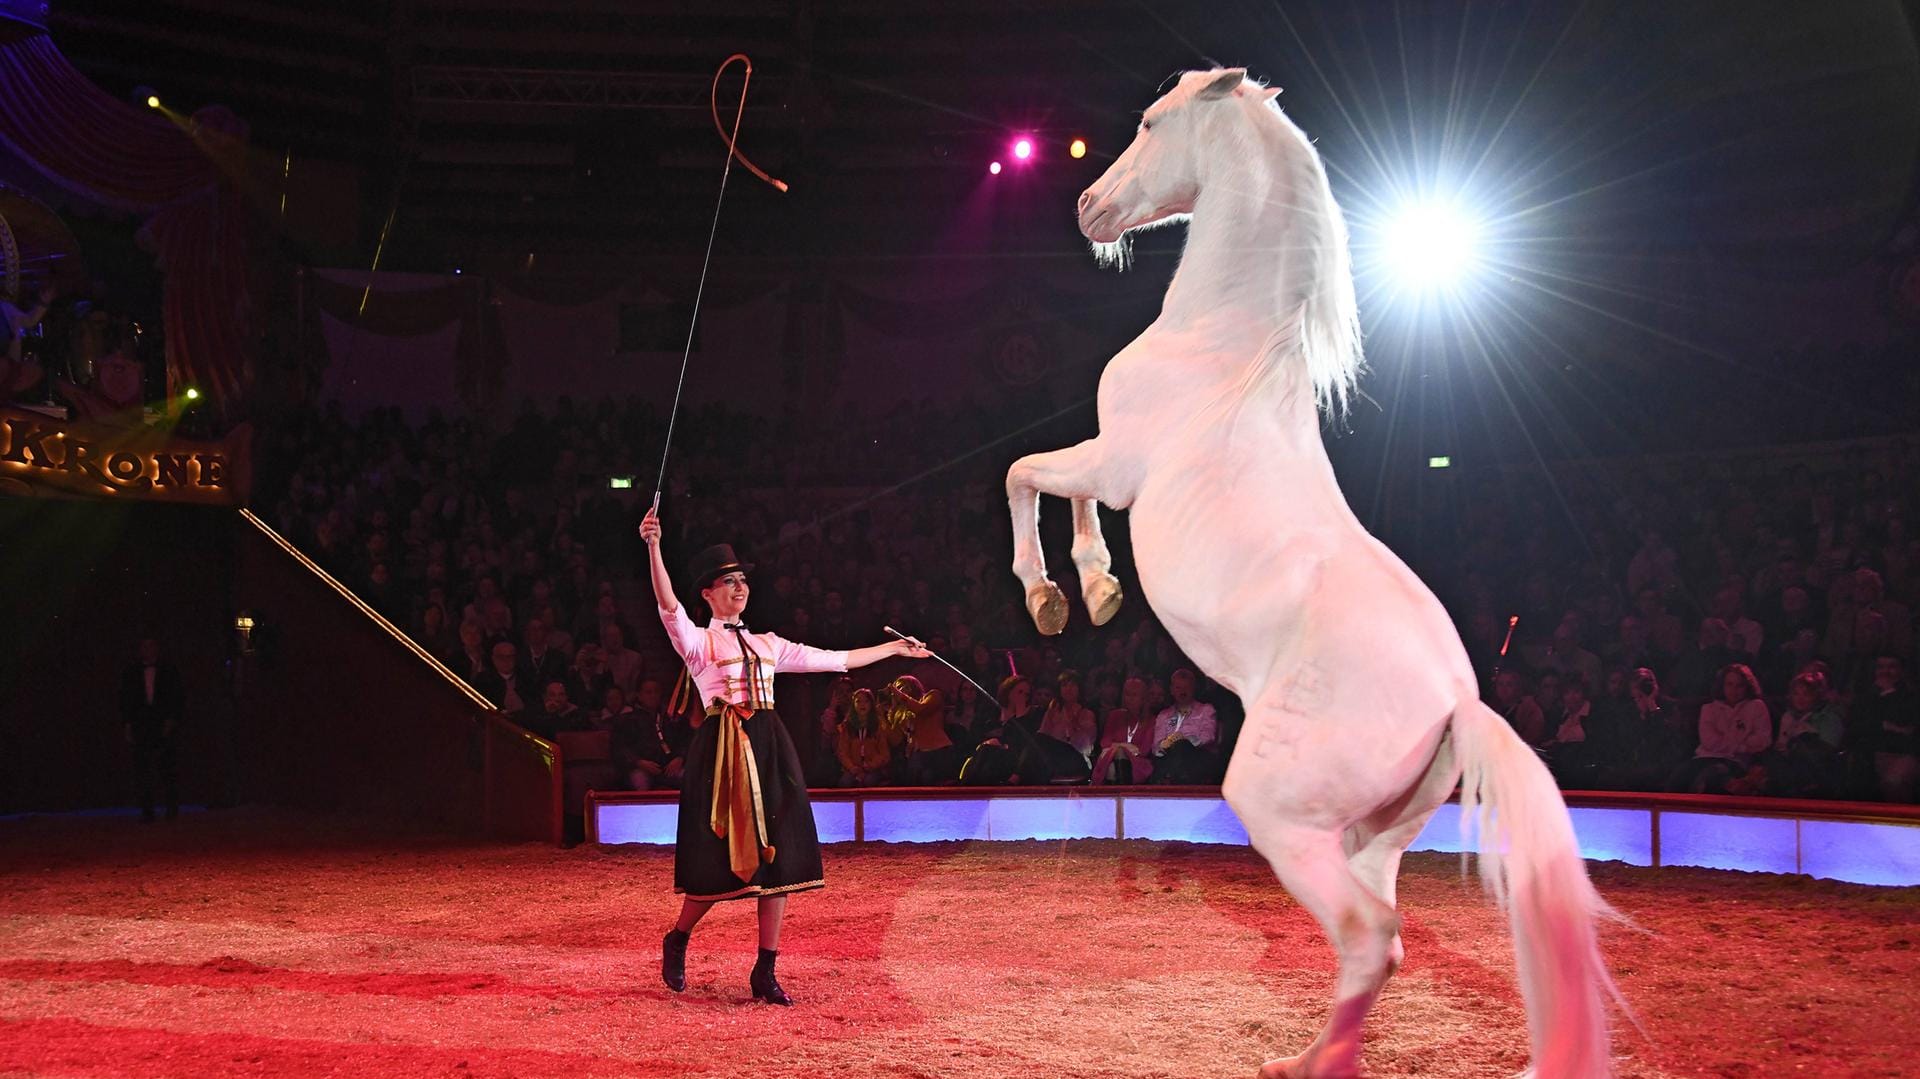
{"points": [[1098, 221]]}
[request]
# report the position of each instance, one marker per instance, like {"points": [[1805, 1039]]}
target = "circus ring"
{"points": [[960, 935]]}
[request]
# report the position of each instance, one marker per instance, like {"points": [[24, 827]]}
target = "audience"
{"points": [[1626, 577]]}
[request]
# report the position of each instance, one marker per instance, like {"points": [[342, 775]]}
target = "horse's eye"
{"points": [[1145, 126]]}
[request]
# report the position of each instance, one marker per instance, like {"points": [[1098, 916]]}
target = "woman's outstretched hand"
{"points": [[650, 527], [911, 649]]}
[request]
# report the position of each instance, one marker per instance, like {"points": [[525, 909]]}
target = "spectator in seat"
{"points": [[622, 724], [1070, 721], [433, 634], [1664, 630], [1157, 696], [557, 712], [866, 758], [823, 754], [1635, 648], [929, 754], [506, 684], [623, 663], [1547, 696], [1186, 736], [1744, 635], [1007, 752], [472, 660], [1805, 761], [1519, 710], [1795, 614], [1696, 675], [665, 734], [1565, 655], [152, 706], [1636, 742], [1656, 564], [1126, 743], [497, 619], [1735, 728], [967, 714], [542, 661], [540, 605], [1567, 752], [1882, 730], [590, 677], [380, 593]]}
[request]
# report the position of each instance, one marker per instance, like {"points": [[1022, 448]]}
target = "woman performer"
{"points": [[746, 828]]}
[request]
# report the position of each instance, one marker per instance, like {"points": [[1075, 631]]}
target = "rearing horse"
{"points": [[1362, 711]]}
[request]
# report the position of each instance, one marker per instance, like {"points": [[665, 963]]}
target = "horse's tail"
{"points": [[1531, 863]]}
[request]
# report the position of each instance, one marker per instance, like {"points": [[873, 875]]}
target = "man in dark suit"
{"points": [[507, 684], [542, 663], [151, 705]]}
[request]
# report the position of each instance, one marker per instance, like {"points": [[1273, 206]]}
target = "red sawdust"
{"points": [[250, 944]]}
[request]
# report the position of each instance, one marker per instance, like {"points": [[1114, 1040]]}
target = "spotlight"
{"points": [[1077, 149], [994, 168], [192, 394], [1431, 244], [1023, 148], [153, 101]]}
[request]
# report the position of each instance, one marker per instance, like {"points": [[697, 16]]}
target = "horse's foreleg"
{"points": [[1068, 473], [1098, 586]]}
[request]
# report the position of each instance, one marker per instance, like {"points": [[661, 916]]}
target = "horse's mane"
{"points": [[1323, 323], [1326, 330]]}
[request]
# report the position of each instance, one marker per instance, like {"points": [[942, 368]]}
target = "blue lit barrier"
{"points": [[1865, 844]]}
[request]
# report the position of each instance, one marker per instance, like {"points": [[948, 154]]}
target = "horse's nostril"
{"points": [[1086, 198]]}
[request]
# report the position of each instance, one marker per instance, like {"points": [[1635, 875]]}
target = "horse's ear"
{"points": [[1223, 84], [1268, 93]]}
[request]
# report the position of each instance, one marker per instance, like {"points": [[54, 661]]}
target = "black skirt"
{"points": [[701, 869]]}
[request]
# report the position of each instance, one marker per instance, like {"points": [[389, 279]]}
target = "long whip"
{"points": [[984, 691], [693, 323]]}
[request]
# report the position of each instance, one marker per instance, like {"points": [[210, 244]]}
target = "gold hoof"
{"points": [[1103, 596], [1048, 606]]}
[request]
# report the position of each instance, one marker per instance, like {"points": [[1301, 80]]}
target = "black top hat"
{"points": [[716, 561]]}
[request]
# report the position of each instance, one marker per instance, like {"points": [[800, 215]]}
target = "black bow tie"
{"points": [[737, 627]]}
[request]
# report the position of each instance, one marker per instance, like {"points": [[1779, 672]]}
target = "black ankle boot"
{"points": [[673, 960], [765, 986]]}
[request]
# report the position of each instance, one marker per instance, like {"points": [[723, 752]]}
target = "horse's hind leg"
{"points": [[1313, 866], [1377, 845], [1098, 586]]}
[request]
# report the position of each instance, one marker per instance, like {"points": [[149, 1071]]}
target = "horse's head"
{"points": [[1216, 134], [1159, 176]]}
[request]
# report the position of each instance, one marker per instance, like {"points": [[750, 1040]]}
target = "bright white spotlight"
{"points": [[1431, 244]]}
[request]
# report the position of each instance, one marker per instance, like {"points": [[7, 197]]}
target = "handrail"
{"points": [[378, 619], [490, 717]]}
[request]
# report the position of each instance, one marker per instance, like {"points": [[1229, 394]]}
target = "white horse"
{"points": [[1362, 714]]}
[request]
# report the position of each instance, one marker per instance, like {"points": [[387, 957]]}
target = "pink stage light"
{"points": [[994, 168], [1023, 148]]}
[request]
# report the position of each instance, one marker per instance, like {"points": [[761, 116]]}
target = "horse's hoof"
{"points": [[1299, 1067], [1048, 606], [1103, 596], [1284, 1068]]}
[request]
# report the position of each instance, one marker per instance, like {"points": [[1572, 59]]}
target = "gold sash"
{"points": [[739, 811]]}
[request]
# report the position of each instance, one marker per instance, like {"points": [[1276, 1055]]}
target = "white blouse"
{"points": [[720, 672]]}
